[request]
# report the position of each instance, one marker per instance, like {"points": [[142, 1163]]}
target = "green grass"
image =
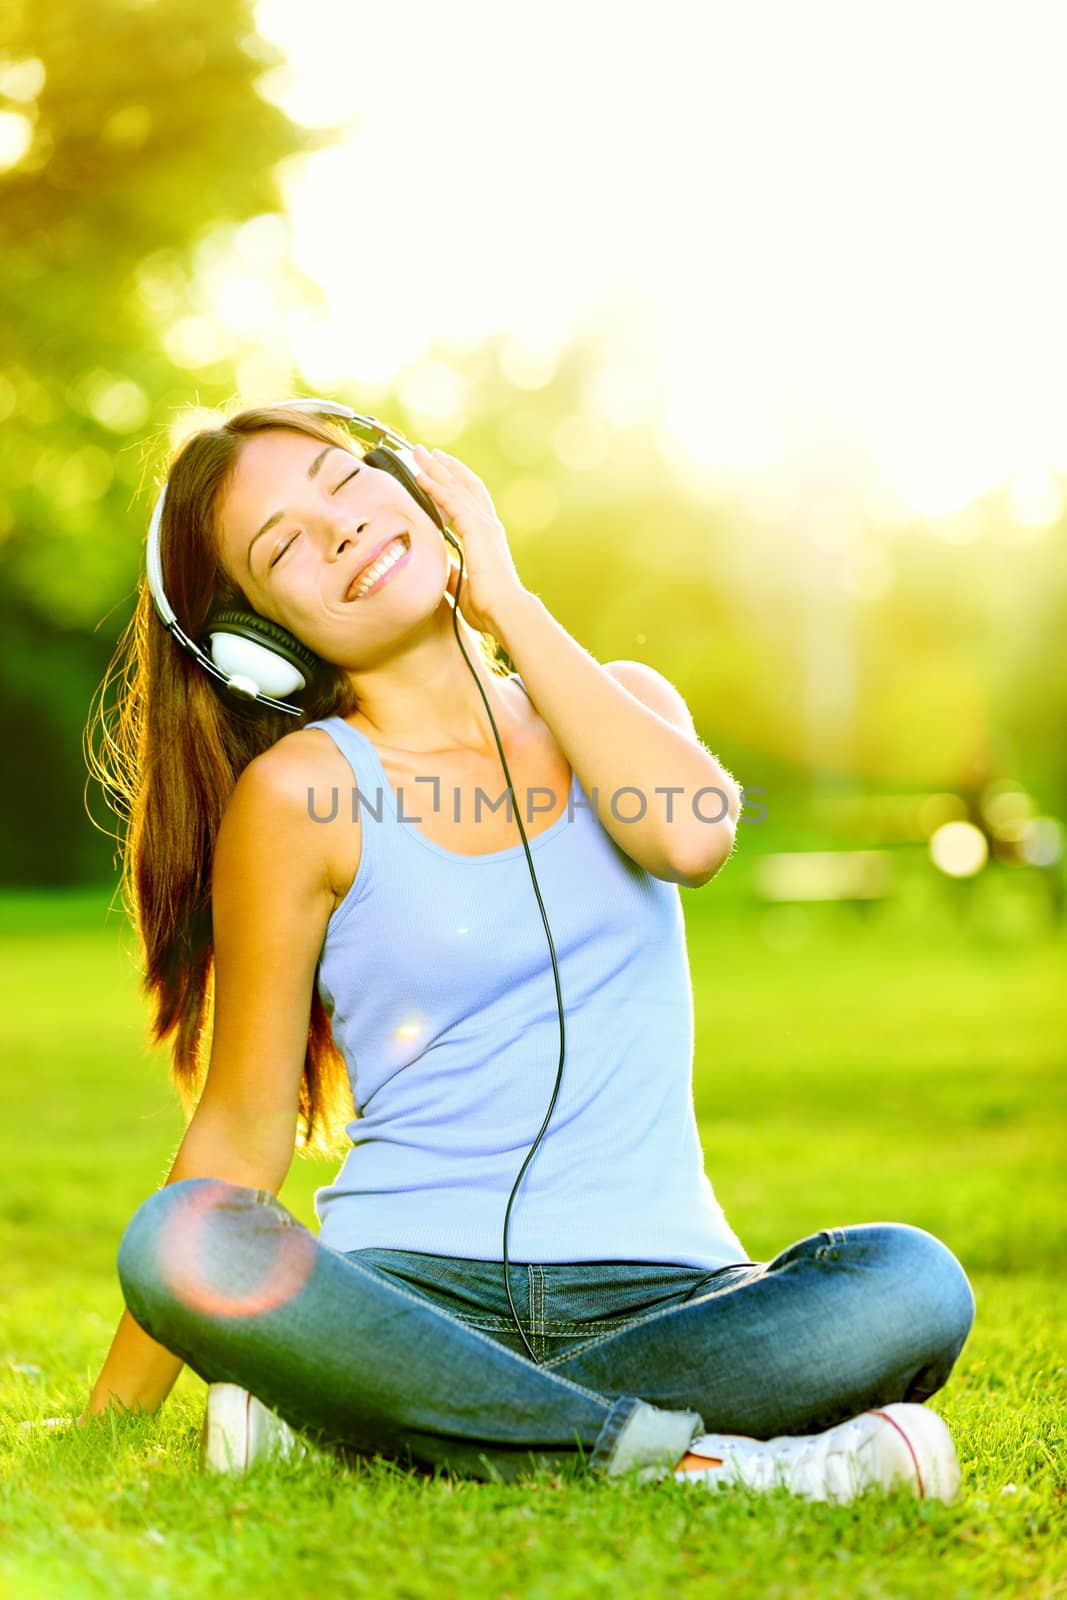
{"points": [[906, 1066]]}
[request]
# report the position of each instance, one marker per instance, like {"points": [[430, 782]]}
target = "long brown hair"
{"points": [[168, 750]]}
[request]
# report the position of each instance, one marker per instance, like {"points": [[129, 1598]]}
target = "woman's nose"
{"points": [[346, 536]]}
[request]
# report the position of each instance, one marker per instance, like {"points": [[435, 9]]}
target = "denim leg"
{"points": [[226, 1278], [841, 1322]]}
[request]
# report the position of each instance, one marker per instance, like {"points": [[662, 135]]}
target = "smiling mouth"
{"points": [[371, 575]]}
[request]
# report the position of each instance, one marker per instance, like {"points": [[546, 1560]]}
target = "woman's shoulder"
{"points": [[292, 779], [297, 759], [280, 788]]}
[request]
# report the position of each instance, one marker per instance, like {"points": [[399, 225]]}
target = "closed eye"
{"points": [[275, 559], [281, 552]]}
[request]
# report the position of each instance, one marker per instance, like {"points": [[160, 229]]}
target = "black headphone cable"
{"points": [[552, 949]]}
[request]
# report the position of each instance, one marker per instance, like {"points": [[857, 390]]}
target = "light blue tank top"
{"points": [[436, 975]]}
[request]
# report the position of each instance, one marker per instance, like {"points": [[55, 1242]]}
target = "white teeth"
{"points": [[388, 559]]}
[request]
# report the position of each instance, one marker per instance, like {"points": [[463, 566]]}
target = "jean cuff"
{"points": [[637, 1434]]}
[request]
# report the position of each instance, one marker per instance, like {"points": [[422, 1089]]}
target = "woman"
{"points": [[392, 952]]}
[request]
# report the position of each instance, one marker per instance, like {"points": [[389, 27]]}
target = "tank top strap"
{"points": [[360, 754]]}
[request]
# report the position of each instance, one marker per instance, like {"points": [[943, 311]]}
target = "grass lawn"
{"points": [[905, 1066]]}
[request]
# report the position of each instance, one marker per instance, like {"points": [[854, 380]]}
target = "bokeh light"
{"points": [[959, 849]]}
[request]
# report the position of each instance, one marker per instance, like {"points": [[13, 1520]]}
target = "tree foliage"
{"points": [[145, 131]]}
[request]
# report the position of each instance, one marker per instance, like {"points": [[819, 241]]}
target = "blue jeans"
{"points": [[415, 1357]]}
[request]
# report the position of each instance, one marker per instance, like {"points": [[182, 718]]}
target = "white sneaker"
{"points": [[898, 1445], [239, 1429]]}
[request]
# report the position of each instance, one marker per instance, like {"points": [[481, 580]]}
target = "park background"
{"points": [[753, 324]]}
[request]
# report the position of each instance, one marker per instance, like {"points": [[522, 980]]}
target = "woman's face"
{"points": [[298, 521]]}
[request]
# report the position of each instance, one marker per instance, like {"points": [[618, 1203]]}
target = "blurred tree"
{"points": [[128, 130]]}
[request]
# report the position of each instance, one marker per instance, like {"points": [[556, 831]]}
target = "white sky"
{"points": [[840, 225]]}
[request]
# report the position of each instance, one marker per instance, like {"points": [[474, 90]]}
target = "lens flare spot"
{"points": [[234, 1287], [411, 1028]]}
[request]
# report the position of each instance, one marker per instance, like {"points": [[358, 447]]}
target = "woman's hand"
{"points": [[490, 580]]}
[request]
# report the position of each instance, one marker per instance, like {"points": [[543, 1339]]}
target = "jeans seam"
{"points": [[587, 1324], [531, 1309], [591, 1344], [421, 1300], [558, 1358], [541, 1279], [637, 1322]]}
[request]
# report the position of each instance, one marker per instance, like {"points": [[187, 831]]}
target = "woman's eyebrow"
{"points": [[278, 515]]}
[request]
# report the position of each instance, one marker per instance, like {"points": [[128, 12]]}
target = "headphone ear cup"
{"points": [[251, 646], [388, 461]]}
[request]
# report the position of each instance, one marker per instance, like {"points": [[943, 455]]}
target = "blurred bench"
{"points": [[807, 875]]}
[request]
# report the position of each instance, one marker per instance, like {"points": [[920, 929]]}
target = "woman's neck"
{"points": [[427, 700]]}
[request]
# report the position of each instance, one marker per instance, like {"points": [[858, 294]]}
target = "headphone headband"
{"points": [[373, 433]]}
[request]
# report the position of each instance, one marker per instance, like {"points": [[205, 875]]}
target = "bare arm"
{"points": [[624, 727], [721, 799], [271, 901]]}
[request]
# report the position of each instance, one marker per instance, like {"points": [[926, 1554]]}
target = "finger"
{"points": [[447, 463], [423, 461]]}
